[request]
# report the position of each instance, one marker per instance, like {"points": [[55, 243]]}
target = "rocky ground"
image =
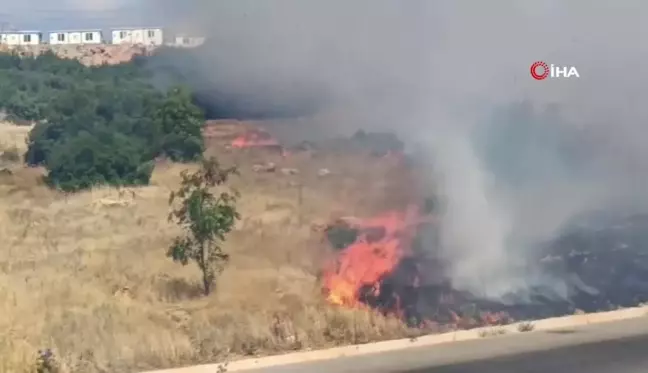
{"points": [[91, 55]]}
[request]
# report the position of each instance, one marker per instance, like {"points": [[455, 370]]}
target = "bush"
{"points": [[105, 157], [35, 89], [98, 125], [46, 362], [180, 123]]}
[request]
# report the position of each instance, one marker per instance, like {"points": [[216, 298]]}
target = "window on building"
{"points": [[122, 34], [151, 33], [186, 41], [61, 37], [89, 36], [27, 38]]}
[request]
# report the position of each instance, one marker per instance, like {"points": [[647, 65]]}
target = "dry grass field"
{"points": [[86, 275]]}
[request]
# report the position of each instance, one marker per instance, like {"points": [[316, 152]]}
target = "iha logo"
{"points": [[541, 70]]}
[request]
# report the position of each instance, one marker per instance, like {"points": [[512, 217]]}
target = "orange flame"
{"points": [[254, 138], [355, 278], [369, 259]]}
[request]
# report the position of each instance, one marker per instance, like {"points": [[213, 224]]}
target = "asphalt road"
{"points": [[617, 347]]}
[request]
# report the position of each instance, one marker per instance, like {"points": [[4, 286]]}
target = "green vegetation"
{"points": [[206, 219], [97, 125]]}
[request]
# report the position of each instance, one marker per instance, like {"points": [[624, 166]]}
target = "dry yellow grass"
{"points": [[86, 274], [13, 137]]}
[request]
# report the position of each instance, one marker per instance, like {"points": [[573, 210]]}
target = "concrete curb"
{"points": [[430, 340]]}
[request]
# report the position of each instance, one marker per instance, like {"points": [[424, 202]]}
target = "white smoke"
{"points": [[475, 224], [433, 71]]}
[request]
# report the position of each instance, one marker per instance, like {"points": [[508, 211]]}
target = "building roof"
{"points": [[135, 28], [77, 30], [20, 32]]}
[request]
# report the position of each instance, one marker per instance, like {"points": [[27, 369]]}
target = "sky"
{"points": [[70, 14]]}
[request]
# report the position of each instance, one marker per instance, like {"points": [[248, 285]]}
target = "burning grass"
{"points": [[381, 244], [86, 274]]}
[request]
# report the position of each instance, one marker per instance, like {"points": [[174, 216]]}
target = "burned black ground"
{"points": [[595, 265]]}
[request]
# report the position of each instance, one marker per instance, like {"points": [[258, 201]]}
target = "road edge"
{"points": [[400, 344]]}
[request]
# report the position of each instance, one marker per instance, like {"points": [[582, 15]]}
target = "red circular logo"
{"points": [[544, 70]]}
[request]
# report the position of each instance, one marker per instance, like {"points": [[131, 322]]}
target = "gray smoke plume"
{"points": [[436, 73], [514, 158]]}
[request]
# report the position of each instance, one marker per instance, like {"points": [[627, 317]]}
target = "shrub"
{"points": [[88, 159], [46, 362], [98, 125], [180, 123], [206, 218]]}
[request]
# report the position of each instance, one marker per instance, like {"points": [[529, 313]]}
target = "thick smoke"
{"points": [[454, 77], [436, 73]]}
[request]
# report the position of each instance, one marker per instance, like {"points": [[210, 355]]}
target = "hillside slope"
{"points": [[89, 55]]}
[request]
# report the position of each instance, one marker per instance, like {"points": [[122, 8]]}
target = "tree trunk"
{"points": [[206, 282], [205, 271]]}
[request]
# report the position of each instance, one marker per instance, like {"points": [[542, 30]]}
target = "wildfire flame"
{"points": [[254, 138], [371, 257], [379, 270]]}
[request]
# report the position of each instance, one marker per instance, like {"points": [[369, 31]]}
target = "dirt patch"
{"points": [[90, 55]]}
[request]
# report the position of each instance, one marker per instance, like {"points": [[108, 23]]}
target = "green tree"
{"points": [[206, 219], [180, 122], [98, 125]]}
